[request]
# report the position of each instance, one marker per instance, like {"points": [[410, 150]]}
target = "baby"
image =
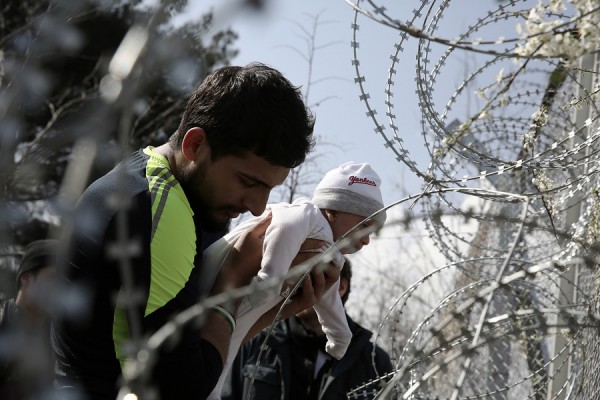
{"points": [[343, 198]]}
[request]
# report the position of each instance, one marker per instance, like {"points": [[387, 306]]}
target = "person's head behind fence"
{"points": [[39, 254], [346, 274]]}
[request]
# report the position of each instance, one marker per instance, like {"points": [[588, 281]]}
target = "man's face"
{"points": [[342, 223], [221, 190], [38, 287], [309, 317]]}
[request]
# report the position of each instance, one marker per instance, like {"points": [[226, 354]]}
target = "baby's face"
{"points": [[343, 222]]}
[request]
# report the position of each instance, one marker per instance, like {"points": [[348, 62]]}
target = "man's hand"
{"points": [[243, 261]]}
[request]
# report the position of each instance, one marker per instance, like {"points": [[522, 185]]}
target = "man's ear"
{"points": [[343, 288], [26, 279], [193, 141]]}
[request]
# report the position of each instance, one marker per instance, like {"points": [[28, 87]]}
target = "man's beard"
{"points": [[196, 190], [205, 221]]}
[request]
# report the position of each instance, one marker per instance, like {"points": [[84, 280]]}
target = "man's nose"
{"points": [[257, 201]]}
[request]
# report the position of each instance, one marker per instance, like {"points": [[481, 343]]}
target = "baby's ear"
{"points": [[330, 214]]}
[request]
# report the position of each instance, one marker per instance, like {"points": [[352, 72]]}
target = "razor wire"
{"points": [[513, 312]]}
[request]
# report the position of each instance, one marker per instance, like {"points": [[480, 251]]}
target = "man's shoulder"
{"points": [[128, 176], [361, 336], [355, 327], [361, 339], [122, 188]]}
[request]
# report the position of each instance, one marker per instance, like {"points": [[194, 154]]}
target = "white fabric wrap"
{"points": [[290, 226]]}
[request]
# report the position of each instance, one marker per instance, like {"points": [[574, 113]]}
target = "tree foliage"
{"points": [[54, 55]]}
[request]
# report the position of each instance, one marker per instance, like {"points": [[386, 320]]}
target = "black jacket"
{"points": [[9, 317], [273, 376], [26, 358]]}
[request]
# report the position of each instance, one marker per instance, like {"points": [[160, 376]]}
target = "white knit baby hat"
{"points": [[353, 188]]}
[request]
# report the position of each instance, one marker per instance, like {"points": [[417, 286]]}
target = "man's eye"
{"points": [[248, 183]]}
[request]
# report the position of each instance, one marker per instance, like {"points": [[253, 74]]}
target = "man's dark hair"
{"points": [[250, 109], [346, 273]]}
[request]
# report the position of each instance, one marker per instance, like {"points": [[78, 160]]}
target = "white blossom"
{"points": [[557, 6], [540, 117], [500, 76], [545, 32]]}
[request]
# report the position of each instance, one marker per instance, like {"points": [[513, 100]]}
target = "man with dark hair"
{"points": [[294, 365], [143, 226], [25, 354]]}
